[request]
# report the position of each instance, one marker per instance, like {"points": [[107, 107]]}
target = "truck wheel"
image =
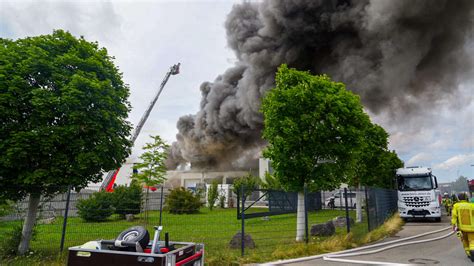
{"points": [[135, 234], [438, 219], [472, 256]]}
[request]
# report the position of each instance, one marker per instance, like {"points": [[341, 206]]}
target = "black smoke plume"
{"points": [[398, 55]]}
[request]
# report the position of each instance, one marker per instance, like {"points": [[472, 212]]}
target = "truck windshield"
{"points": [[415, 183]]}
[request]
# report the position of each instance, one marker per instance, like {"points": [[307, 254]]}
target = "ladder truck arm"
{"points": [[109, 180]]}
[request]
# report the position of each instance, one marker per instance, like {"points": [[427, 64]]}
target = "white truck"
{"points": [[418, 193]]}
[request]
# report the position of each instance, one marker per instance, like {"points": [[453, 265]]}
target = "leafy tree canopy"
{"points": [[315, 129], [63, 106], [376, 164]]}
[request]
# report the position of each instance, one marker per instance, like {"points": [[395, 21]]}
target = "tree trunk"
{"points": [[300, 221], [359, 204], [29, 223]]}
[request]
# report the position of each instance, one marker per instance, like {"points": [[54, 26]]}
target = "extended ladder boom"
{"points": [[173, 71], [112, 175]]}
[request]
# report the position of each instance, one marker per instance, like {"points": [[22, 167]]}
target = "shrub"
{"points": [[181, 201], [212, 194], [97, 208], [127, 200]]}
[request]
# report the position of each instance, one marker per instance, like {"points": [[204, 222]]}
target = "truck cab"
{"points": [[418, 193]]}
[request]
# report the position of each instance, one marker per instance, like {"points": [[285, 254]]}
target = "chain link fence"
{"points": [[327, 213], [268, 219]]}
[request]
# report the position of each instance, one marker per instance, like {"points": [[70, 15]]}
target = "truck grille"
{"points": [[415, 202]]}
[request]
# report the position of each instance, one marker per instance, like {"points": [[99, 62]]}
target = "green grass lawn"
{"points": [[213, 228]]}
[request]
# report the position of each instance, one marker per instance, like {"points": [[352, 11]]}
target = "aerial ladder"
{"points": [[108, 183]]}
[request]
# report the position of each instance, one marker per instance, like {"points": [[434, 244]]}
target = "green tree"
{"points": [[315, 129], [376, 164], [212, 194], [152, 169], [63, 106]]}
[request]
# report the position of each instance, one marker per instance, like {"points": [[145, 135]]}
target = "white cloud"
{"points": [[94, 20], [419, 159], [455, 162], [440, 144]]}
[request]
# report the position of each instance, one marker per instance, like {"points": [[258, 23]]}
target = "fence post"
{"points": [[306, 214], [350, 198], [340, 200], [66, 211], [377, 223], [242, 216], [161, 202], [348, 222], [323, 200], [239, 216], [367, 207]]}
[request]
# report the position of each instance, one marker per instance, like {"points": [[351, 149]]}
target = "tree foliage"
{"points": [[376, 164], [271, 182], [63, 106], [152, 169], [248, 182], [212, 194], [314, 127]]}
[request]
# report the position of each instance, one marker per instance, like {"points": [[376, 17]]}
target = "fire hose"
{"points": [[335, 256]]}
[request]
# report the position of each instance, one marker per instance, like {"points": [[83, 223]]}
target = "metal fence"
{"points": [[327, 213], [382, 203], [267, 218], [59, 226]]}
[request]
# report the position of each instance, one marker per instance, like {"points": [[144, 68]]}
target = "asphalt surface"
{"points": [[447, 251]]}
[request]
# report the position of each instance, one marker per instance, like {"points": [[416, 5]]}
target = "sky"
{"points": [[147, 37]]}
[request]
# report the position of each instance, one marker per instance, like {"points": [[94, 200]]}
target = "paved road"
{"points": [[447, 251]]}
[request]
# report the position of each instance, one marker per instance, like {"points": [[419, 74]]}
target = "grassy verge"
{"points": [[341, 241], [274, 238]]}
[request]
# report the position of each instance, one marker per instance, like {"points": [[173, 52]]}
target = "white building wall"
{"points": [[263, 167]]}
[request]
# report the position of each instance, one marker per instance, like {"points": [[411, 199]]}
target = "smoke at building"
{"points": [[394, 54]]}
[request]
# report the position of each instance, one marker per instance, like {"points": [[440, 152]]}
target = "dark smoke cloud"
{"points": [[399, 56]]}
